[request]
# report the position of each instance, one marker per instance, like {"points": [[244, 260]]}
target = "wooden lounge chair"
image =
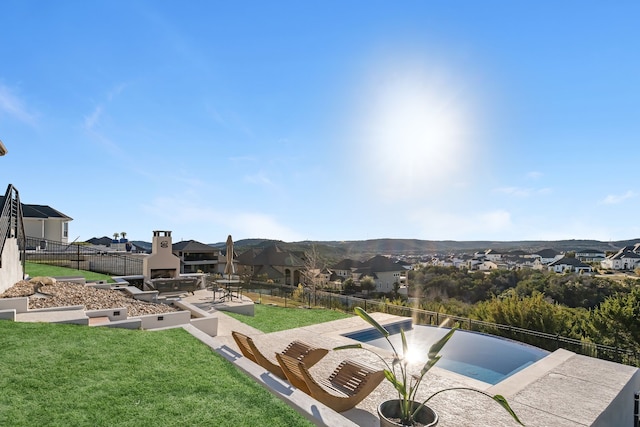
{"points": [[347, 386], [297, 350]]}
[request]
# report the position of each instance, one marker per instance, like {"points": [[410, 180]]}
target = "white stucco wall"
{"points": [[11, 269], [385, 280]]}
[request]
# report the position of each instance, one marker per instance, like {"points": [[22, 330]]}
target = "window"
{"points": [[65, 229]]}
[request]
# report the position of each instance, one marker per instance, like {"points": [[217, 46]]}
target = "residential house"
{"points": [[590, 255], [345, 269], [565, 264], [196, 257], [487, 265], [547, 256], [384, 272], [271, 263], [493, 255], [42, 223], [325, 278], [627, 258]]}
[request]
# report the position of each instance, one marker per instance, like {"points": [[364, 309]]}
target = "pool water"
{"points": [[480, 356]]}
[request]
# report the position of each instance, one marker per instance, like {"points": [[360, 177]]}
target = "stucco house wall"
{"points": [[47, 228], [11, 268], [385, 280]]}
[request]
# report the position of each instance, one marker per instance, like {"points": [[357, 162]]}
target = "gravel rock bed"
{"points": [[62, 294]]}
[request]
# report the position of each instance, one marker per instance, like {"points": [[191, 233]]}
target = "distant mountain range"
{"points": [[364, 249]]}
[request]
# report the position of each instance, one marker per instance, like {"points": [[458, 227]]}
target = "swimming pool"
{"points": [[483, 357]]}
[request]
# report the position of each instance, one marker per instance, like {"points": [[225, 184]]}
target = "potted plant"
{"points": [[406, 410]]}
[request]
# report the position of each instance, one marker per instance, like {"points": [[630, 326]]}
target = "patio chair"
{"points": [[347, 386], [297, 350]]}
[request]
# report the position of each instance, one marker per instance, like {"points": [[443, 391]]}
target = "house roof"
{"points": [[271, 272], [379, 264], [346, 264], [247, 257], [574, 262], [39, 211], [547, 253], [625, 254], [192, 246]]}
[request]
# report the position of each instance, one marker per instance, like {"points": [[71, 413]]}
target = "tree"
{"points": [[349, 286], [115, 236], [396, 289], [617, 320], [313, 265], [367, 283], [534, 313], [124, 234]]}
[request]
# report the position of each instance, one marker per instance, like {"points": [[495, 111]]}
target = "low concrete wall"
{"points": [[114, 314], [65, 308], [620, 410], [195, 311], [246, 309], [10, 314], [156, 321], [134, 323], [208, 325], [19, 304]]}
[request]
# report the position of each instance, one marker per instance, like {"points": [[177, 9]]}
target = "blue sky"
{"points": [[332, 120]]}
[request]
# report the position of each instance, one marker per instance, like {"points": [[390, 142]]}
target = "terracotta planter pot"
{"points": [[390, 410]]}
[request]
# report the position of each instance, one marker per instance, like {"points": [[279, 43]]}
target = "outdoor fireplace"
{"points": [[161, 263], [162, 273]]}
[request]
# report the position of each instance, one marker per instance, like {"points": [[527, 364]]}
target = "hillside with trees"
{"points": [[588, 308]]}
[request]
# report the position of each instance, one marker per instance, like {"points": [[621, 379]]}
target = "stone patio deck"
{"points": [[563, 389]]}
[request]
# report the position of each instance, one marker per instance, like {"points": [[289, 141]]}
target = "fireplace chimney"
{"points": [[161, 263]]}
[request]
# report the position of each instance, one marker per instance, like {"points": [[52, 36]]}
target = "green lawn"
{"points": [[70, 375], [273, 319], [34, 269]]}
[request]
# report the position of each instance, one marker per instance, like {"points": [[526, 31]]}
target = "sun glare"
{"points": [[414, 129], [413, 355]]}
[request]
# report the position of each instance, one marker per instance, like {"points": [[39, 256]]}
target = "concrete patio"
{"points": [[563, 389]]}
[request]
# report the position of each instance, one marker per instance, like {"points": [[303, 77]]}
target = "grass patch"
{"points": [[34, 269], [273, 319], [54, 374]]}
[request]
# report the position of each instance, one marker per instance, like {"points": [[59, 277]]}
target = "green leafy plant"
{"points": [[407, 384]]}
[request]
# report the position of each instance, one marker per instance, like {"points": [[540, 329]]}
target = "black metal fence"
{"points": [[82, 257], [542, 340], [11, 224]]}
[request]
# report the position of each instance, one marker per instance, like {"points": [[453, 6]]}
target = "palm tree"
{"points": [[115, 236], [123, 234]]}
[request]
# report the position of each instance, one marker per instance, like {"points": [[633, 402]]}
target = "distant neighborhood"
{"points": [[382, 273]]}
